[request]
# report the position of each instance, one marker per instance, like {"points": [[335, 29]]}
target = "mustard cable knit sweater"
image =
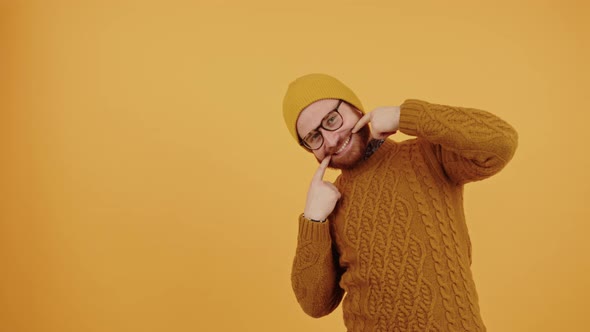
{"points": [[397, 243]]}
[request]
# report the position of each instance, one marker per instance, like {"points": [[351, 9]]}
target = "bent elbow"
{"points": [[500, 153], [314, 313], [318, 302], [317, 310], [508, 148], [507, 144]]}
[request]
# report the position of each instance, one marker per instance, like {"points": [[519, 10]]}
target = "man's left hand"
{"points": [[384, 121]]}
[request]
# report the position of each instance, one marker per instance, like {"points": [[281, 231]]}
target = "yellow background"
{"points": [[149, 183]]}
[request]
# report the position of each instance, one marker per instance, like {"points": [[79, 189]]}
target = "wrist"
{"points": [[410, 112], [314, 219]]}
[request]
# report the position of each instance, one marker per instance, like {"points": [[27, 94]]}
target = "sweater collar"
{"points": [[373, 154]]}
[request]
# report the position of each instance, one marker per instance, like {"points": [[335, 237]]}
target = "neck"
{"points": [[372, 147]]}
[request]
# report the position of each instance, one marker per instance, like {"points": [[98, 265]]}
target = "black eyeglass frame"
{"points": [[302, 141]]}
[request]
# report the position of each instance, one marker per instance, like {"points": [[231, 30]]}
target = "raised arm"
{"points": [[315, 275], [470, 144]]}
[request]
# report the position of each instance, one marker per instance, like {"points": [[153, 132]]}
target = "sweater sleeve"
{"points": [[315, 274], [470, 144]]}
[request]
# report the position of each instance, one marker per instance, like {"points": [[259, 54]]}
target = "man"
{"points": [[390, 233]]}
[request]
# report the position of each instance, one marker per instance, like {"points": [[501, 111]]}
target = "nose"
{"points": [[330, 141]]}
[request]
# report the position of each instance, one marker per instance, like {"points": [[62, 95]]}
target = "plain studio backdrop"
{"points": [[149, 182]]}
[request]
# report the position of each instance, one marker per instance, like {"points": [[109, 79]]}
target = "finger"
{"points": [[362, 122], [319, 174]]}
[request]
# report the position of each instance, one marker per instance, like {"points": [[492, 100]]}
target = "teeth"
{"points": [[343, 145]]}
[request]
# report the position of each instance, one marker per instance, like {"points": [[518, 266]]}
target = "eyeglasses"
{"points": [[332, 121]]}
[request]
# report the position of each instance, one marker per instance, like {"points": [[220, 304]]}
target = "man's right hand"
{"points": [[322, 196]]}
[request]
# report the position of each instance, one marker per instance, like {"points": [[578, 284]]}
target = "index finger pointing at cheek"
{"points": [[361, 122]]}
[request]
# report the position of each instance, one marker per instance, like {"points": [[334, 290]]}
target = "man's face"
{"points": [[347, 149]]}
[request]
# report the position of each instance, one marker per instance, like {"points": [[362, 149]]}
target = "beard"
{"points": [[355, 154]]}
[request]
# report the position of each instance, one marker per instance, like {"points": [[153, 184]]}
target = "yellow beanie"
{"points": [[310, 88]]}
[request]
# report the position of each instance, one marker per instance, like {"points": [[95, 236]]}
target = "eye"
{"points": [[313, 137], [332, 120], [316, 136]]}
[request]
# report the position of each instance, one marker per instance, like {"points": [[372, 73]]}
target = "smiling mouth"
{"points": [[344, 145]]}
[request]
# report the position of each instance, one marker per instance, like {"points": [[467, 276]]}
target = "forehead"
{"points": [[312, 115]]}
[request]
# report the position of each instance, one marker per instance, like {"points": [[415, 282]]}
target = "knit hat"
{"points": [[310, 88]]}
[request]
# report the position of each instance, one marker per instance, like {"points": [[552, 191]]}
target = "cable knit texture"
{"points": [[397, 243]]}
